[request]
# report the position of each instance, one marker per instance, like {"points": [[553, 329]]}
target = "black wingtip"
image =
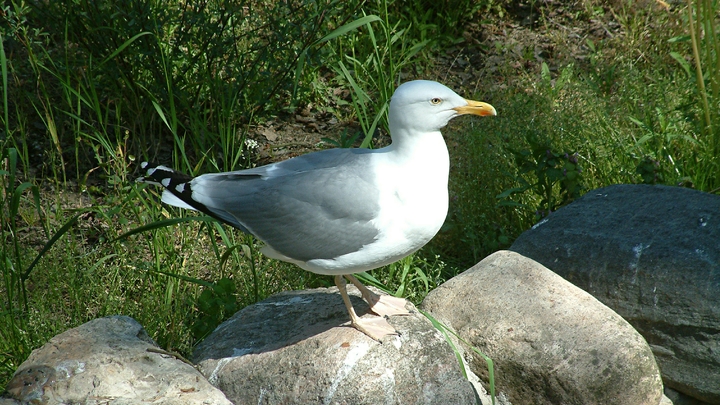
{"points": [[149, 169], [177, 184], [162, 175]]}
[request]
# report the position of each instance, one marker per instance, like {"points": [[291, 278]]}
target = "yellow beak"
{"points": [[476, 108]]}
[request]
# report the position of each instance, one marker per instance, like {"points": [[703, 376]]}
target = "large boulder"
{"points": [[551, 342], [108, 360], [651, 253], [296, 348]]}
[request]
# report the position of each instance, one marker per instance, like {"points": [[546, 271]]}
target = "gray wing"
{"points": [[316, 206]]}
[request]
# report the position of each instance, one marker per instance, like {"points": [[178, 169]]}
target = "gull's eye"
{"points": [[435, 101]]}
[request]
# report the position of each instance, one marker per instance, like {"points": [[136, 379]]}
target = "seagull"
{"points": [[342, 211]]}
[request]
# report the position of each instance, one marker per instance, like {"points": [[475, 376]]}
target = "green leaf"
{"points": [[298, 71], [506, 203], [15, 200], [680, 38], [510, 192], [162, 224], [490, 365], [644, 139], [367, 278], [123, 46], [441, 327], [349, 27], [683, 63], [4, 72], [206, 302], [420, 275], [368, 137], [184, 278], [62, 231], [590, 44], [161, 114], [230, 250], [545, 73], [640, 123]]}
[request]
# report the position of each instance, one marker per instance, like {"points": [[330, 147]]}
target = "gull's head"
{"points": [[426, 106]]}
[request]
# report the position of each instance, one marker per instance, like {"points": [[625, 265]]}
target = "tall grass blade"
{"points": [[349, 27], [184, 278], [49, 244], [695, 41], [123, 46], [161, 113], [15, 199], [443, 329], [298, 71], [3, 69], [371, 131], [682, 62], [162, 224], [367, 278], [491, 367]]}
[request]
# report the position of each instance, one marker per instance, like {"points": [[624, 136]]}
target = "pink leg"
{"points": [[376, 327], [383, 305]]}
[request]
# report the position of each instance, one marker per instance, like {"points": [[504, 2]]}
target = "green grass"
{"points": [[617, 117], [86, 98]]}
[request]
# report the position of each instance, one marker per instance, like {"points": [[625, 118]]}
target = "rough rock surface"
{"points": [[551, 342], [296, 348], [677, 398], [107, 361], [652, 254]]}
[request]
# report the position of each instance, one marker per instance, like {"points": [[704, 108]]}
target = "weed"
{"points": [[702, 27], [373, 68], [555, 178], [660, 149], [446, 333], [344, 140], [13, 267], [215, 304], [412, 277]]}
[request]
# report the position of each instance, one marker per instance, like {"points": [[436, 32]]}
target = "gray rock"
{"points": [[298, 348], [651, 253], [678, 398], [107, 361], [551, 342], [667, 401]]}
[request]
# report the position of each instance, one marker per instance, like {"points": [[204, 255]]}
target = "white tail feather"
{"points": [[170, 199]]}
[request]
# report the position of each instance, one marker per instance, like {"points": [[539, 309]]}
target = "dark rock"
{"points": [[678, 398], [651, 253], [551, 342]]}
